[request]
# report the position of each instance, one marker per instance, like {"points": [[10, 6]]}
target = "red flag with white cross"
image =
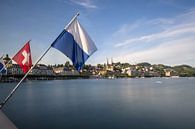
{"points": [[23, 58]]}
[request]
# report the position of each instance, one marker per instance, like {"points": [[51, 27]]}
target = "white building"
{"points": [[42, 69], [64, 71], [129, 71]]}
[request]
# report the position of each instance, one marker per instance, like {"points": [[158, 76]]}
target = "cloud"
{"points": [[178, 51], [169, 33], [167, 28], [85, 3], [161, 40]]}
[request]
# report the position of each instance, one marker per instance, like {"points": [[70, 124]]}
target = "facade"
{"points": [[58, 70], [64, 71], [130, 71], [42, 69], [14, 69], [169, 72]]}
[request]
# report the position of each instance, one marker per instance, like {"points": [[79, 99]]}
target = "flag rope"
{"points": [[16, 87]]}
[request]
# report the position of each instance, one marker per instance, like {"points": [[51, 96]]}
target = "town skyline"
{"points": [[159, 32], [107, 61], [110, 69]]}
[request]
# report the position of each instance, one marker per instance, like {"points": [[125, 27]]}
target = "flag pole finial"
{"points": [[72, 20], [78, 13]]}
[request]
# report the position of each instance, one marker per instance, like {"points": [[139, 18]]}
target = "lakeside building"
{"points": [[64, 71], [170, 72], [108, 69], [41, 69], [14, 69], [130, 71]]}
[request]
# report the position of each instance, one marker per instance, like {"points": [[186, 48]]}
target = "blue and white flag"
{"points": [[3, 69], [75, 43]]}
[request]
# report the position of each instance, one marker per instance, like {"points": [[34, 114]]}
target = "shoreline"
{"points": [[17, 78]]}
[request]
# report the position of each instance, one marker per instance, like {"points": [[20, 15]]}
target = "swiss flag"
{"points": [[23, 58]]}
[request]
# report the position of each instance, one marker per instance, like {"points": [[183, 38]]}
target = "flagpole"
{"points": [[71, 20], [16, 87]]}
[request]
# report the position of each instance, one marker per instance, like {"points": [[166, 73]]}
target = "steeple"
{"points": [[107, 60]]}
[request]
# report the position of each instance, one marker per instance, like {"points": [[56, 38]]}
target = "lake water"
{"points": [[145, 103]]}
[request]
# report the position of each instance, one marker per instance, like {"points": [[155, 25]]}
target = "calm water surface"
{"points": [[152, 103]]}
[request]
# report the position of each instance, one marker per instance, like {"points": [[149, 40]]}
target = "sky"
{"points": [[133, 31]]}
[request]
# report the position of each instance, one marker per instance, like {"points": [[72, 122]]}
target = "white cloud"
{"points": [[168, 40], [178, 51], [167, 28], [169, 33], [85, 3]]}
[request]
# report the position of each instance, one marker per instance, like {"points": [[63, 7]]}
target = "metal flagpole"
{"points": [[72, 20], [16, 87]]}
